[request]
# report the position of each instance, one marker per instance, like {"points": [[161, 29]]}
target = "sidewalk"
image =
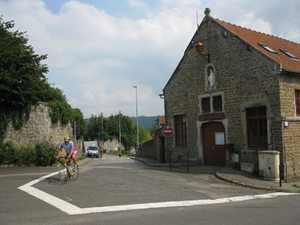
{"points": [[83, 161], [234, 176]]}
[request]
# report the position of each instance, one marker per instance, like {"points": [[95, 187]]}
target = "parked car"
{"points": [[93, 151]]}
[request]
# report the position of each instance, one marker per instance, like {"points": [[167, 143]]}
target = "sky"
{"points": [[99, 49]]}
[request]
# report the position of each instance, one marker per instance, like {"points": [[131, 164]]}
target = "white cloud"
{"points": [[137, 4], [96, 58]]}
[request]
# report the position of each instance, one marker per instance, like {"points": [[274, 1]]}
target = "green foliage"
{"points": [[144, 135], [21, 75], [60, 112], [25, 155], [4, 119], [42, 154], [7, 153], [81, 157], [94, 128], [111, 127], [78, 117], [45, 154], [149, 122], [23, 83], [155, 125]]}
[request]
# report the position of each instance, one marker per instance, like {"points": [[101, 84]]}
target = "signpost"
{"points": [[167, 131]]}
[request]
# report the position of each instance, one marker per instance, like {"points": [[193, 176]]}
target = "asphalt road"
{"points": [[115, 190]]}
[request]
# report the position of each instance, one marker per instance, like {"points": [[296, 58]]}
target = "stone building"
{"points": [[235, 88]]}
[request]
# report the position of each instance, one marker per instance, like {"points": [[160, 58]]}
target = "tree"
{"points": [[21, 75], [111, 130], [23, 82], [155, 125], [78, 118], [144, 135], [94, 129]]}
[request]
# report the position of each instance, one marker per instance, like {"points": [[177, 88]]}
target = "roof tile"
{"points": [[276, 43]]}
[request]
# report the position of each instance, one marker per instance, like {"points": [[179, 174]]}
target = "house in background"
{"points": [[235, 88]]}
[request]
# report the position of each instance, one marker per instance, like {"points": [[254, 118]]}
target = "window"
{"points": [[205, 105], [217, 103], [180, 130], [288, 53], [297, 102], [211, 104], [267, 48], [257, 130]]}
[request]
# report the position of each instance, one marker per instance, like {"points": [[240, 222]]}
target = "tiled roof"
{"points": [[275, 43]]}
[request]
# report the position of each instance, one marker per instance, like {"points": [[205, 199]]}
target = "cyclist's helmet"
{"points": [[66, 138]]}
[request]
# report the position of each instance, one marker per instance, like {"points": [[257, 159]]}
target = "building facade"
{"points": [[235, 90]]}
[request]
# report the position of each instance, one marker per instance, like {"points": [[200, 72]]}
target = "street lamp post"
{"points": [[137, 120], [120, 144], [102, 129]]}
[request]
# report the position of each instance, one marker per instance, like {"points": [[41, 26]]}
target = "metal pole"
{"points": [[102, 130], [137, 120], [120, 143], [75, 125], [280, 174]]}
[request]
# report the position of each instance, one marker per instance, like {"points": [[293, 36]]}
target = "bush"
{"points": [[45, 153], [42, 154], [7, 154], [25, 155]]}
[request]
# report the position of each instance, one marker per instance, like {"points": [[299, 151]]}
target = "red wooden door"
{"points": [[213, 144]]}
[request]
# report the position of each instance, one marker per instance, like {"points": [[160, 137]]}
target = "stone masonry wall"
{"points": [[148, 150], [38, 128], [290, 140]]}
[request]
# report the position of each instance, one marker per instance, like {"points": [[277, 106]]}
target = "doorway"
{"points": [[214, 144]]}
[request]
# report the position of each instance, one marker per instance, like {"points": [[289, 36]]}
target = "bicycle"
{"points": [[65, 172]]}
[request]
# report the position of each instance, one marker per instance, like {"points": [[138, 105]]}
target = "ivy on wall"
{"points": [[60, 112]]}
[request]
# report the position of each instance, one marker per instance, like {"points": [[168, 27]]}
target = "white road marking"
{"points": [[74, 210]]}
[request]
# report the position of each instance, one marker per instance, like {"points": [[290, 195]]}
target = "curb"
{"points": [[235, 182], [83, 161], [152, 164]]}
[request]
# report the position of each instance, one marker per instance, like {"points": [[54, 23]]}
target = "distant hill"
{"points": [[145, 121]]}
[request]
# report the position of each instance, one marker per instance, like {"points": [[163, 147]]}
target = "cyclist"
{"points": [[70, 149], [100, 151]]}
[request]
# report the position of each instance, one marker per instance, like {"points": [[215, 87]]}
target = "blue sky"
{"points": [[99, 49]]}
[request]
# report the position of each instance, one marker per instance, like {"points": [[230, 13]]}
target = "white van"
{"points": [[93, 151]]}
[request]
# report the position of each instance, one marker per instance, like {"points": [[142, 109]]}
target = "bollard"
{"points": [[280, 175]]}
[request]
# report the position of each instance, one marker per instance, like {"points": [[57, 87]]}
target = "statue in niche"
{"points": [[211, 78]]}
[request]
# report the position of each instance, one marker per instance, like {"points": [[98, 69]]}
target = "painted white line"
{"points": [[173, 204], [74, 210]]}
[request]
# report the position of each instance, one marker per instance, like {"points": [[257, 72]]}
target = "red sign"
{"points": [[167, 131]]}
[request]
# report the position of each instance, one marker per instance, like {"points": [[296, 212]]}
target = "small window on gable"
{"points": [[288, 53], [267, 48]]}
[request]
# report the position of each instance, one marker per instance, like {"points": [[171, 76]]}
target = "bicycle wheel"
{"points": [[63, 174], [75, 172]]}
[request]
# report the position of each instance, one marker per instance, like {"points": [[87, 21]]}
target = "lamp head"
{"points": [[199, 47]]}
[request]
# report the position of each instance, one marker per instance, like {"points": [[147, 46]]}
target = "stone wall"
{"points": [[38, 128], [148, 150], [151, 148]]}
